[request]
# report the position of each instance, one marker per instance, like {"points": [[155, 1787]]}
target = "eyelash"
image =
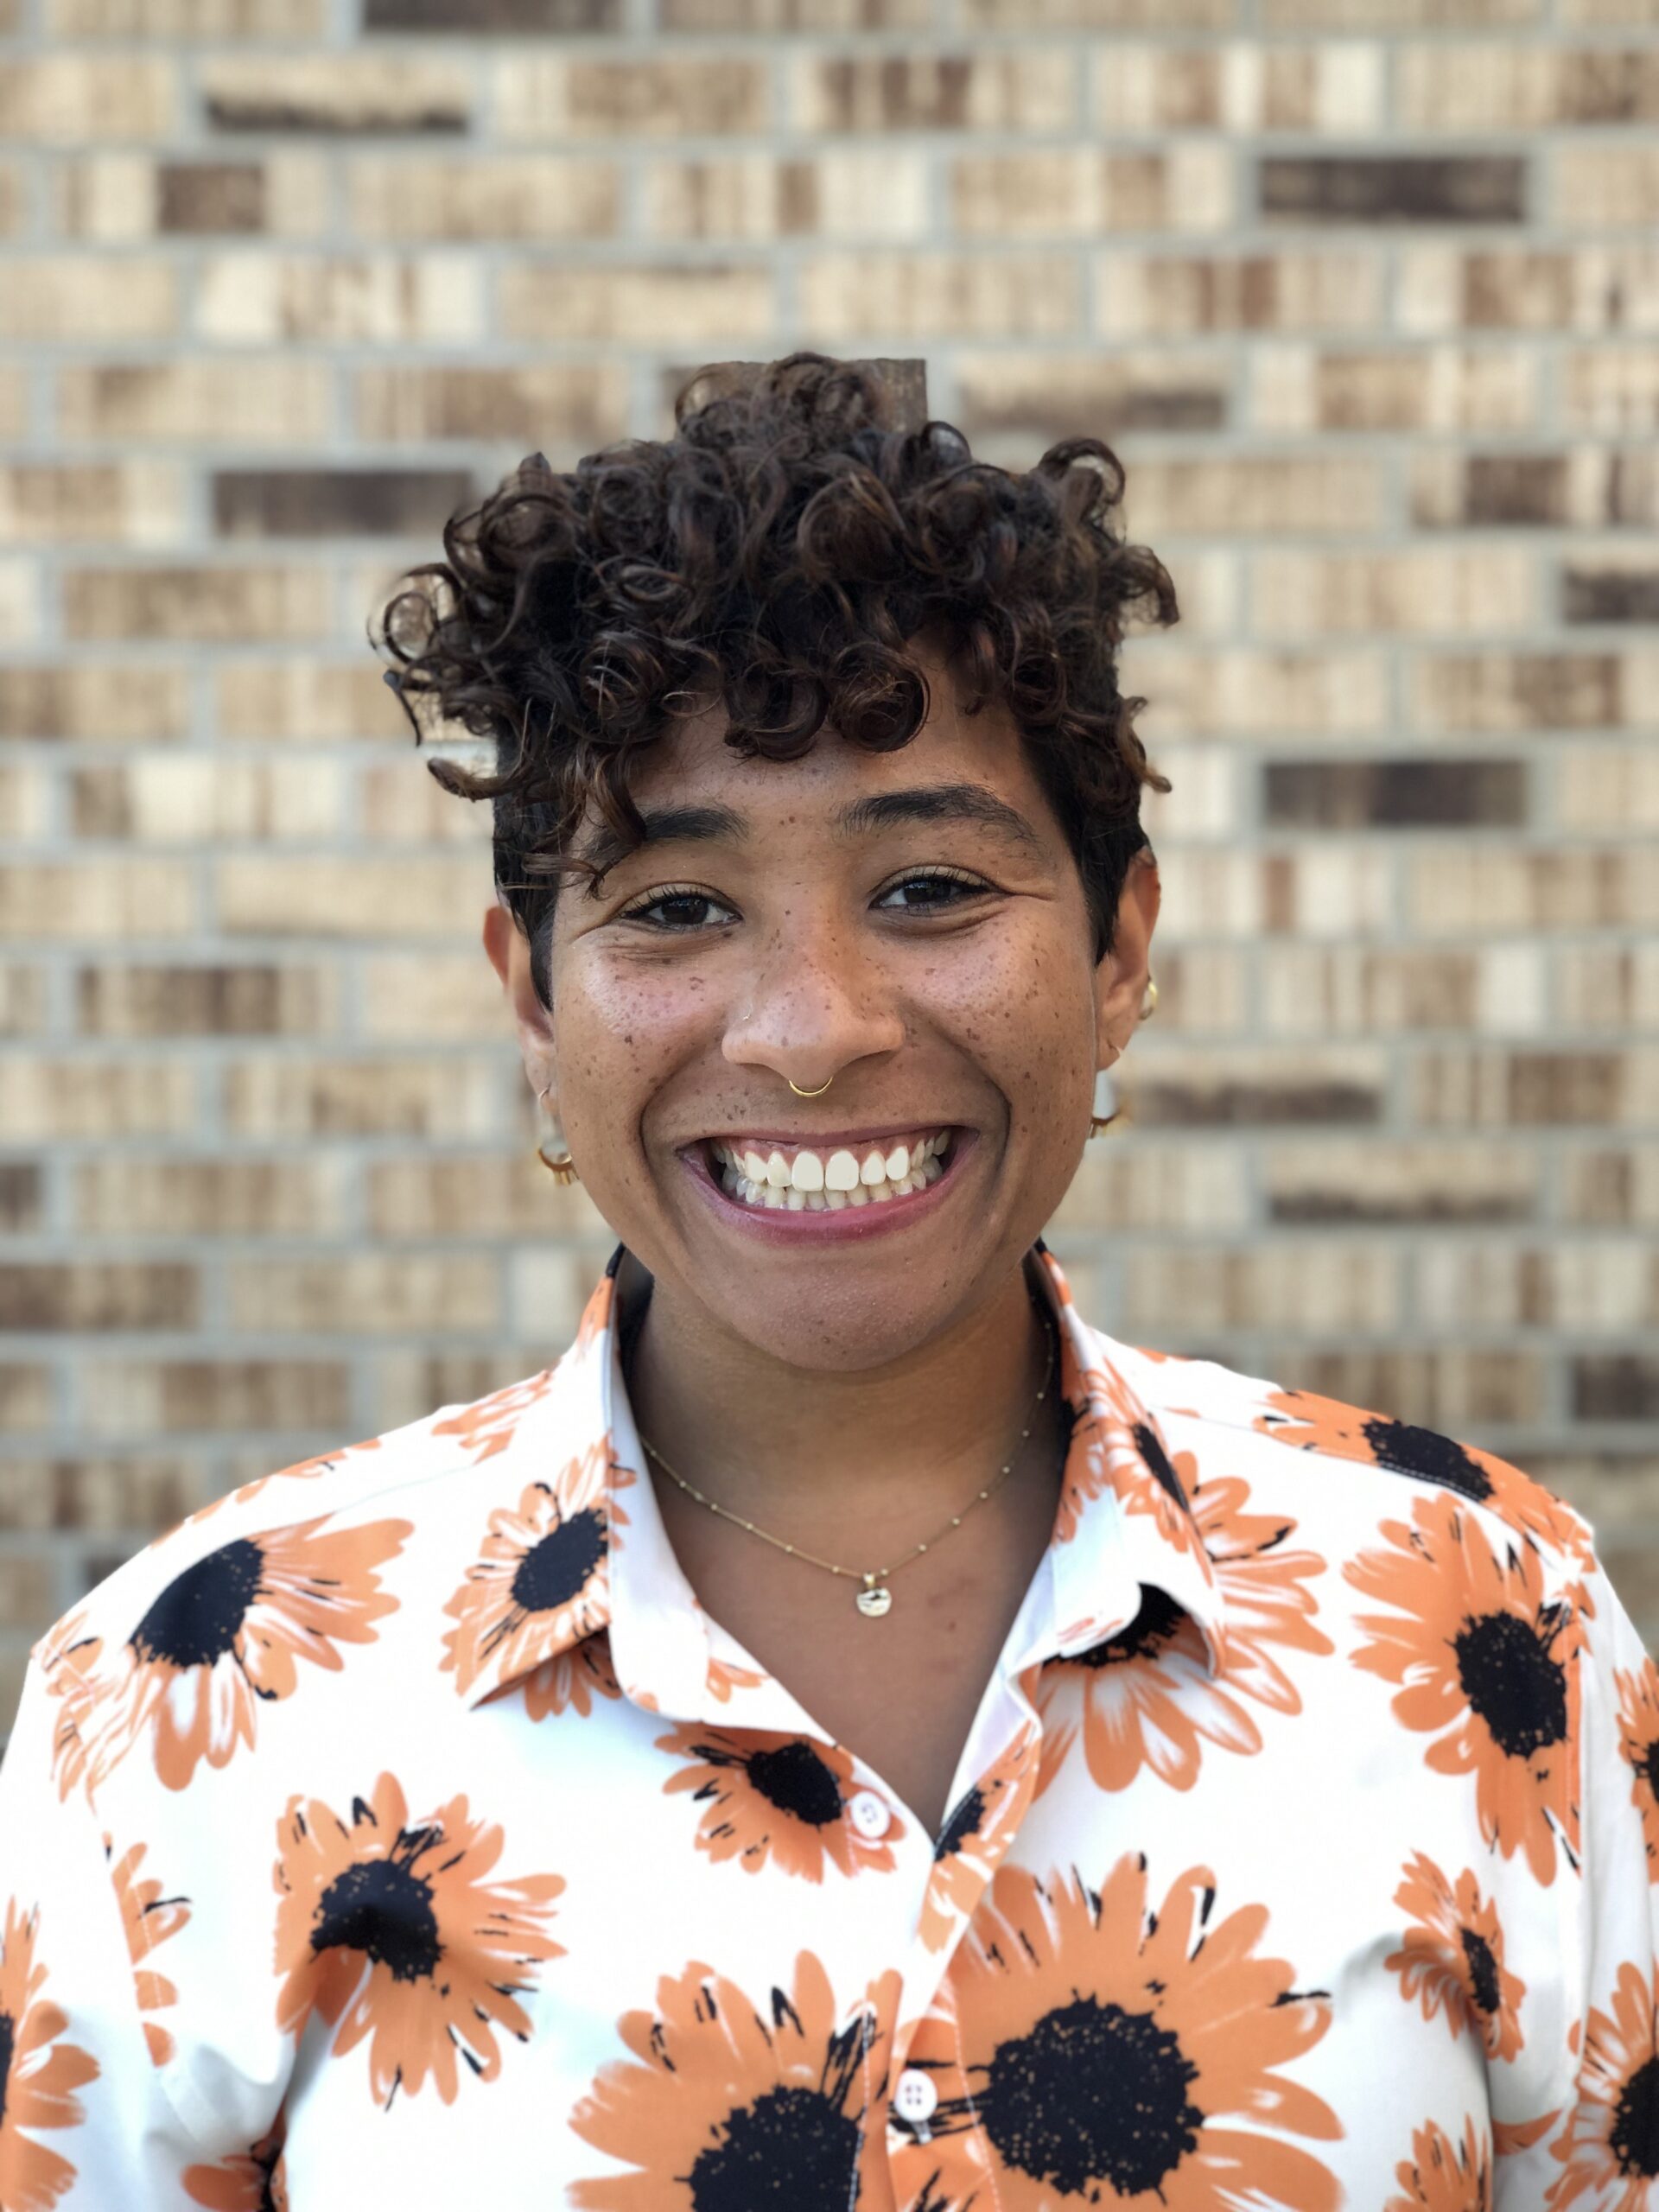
{"points": [[683, 894]]}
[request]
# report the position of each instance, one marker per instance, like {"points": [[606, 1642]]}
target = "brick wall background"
{"points": [[1365, 292]]}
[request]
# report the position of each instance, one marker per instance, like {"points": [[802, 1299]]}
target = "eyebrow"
{"points": [[860, 817]]}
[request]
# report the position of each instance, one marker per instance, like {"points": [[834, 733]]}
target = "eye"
{"points": [[676, 909], [929, 891]]}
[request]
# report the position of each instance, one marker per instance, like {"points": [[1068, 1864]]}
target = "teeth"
{"points": [[754, 1167], [811, 1184], [807, 1173], [899, 1163], [841, 1172], [873, 1169]]}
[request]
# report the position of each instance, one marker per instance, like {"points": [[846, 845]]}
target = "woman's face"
{"points": [[909, 927]]}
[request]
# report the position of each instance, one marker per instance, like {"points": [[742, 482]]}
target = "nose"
{"points": [[813, 1005]]}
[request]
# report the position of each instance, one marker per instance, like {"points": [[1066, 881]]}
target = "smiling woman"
{"points": [[847, 1735]]}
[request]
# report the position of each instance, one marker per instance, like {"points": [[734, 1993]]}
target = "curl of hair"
{"points": [[779, 554]]}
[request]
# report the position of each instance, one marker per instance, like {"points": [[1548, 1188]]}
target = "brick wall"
{"points": [[1366, 293]]}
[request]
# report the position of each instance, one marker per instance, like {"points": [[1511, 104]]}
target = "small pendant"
{"points": [[873, 1600]]}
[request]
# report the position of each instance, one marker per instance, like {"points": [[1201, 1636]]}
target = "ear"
{"points": [[1120, 977], [509, 954]]}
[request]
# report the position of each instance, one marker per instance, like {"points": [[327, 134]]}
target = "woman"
{"points": [[850, 1733]]}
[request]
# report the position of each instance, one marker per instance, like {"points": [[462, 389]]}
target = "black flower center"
{"points": [[965, 1820], [1146, 1444], [1153, 1627], [1423, 1452], [1483, 1971], [1514, 1685], [1633, 2138], [1648, 1767], [556, 1570], [384, 1909], [796, 1781], [1093, 2093], [199, 1616], [7, 2039], [791, 2147]]}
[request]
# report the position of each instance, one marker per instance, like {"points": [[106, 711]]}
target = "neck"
{"points": [[805, 1454]]}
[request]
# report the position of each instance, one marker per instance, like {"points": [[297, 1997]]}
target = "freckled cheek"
{"points": [[618, 1039], [1026, 1019]]}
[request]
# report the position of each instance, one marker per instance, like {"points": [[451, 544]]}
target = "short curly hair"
{"points": [[777, 555]]}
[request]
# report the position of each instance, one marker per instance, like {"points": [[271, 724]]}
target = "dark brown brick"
{"points": [[1231, 1101], [1609, 594], [201, 1001], [1515, 488], [211, 199], [1042, 398], [1615, 1386], [20, 1204], [26, 1396], [903, 378], [1401, 794], [528, 18], [1395, 188], [98, 1294], [248, 107], [182, 1395], [337, 502], [1447, 1391]]}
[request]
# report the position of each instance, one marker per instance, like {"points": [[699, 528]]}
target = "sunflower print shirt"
{"points": [[400, 1830]]}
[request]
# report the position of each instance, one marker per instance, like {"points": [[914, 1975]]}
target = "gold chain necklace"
{"points": [[874, 1598]]}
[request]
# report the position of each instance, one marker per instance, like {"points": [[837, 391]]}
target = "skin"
{"points": [[848, 1395]]}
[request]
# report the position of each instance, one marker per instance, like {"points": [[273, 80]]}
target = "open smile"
{"points": [[852, 1184]]}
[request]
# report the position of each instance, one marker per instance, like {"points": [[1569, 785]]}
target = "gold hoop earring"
{"points": [[559, 1165], [799, 1093], [1099, 1122], [1149, 999]]}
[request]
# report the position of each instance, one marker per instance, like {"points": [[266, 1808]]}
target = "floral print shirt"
{"points": [[399, 1829]]}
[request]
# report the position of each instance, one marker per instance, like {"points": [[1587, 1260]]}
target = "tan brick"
{"points": [[98, 1294], [548, 1289], [186, 800], [1603, 1187], [20, 606], [137, 1398], [754, 197], [1421, 591], [1318, 991], [400, 805], [347, 896], [1584, 487], [48, 298], [1608, 985], [1582, 1286], [1163, 295], [1610, 389], [1249, 692], [542, 95], [52, 901], [1453, 1391], [24, 803], [14, 199], [562, 407], [364, 1294], [1006, 401], [209, 1198], [410, 1385], [1537, 691], [433, 996], [55, 99], [85, 701], [310, 701], [1332, 890], [727, 305], [1396, 15], [1609, 187], [926, 295], [353, 91], [1477, 887], [526, 197], [1151, 1186], [822, 15], [205, 604], [1587, 15], [244, 402], [1309, 1286], [501, 1196], [23, 1000], [49, 1099], [1027, 15], [1207, 802], [1243, 85], [191, 19], [1078, 191], [95, 1496], [1564, 1089], [982, 90], [14, 402], [108, 196], [431, 1096], [25, 1397], [1225, 495], [1583, 288], [1441, 388], [28, 1591], [1521, 86], [340, 299], [112, 502], [1329, 1180]]}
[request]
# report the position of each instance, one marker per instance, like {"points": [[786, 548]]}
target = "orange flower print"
{"points": [[323, 1463], [974, 1840], [1149, 1696], [1487, 1666], [732, 2103], [1316, 1424], [39, 2074], [777, 1799], [148, 1919], [1638, 1744], [488, 1425], [574, 1682], [1118, 1444], [725, 1677], [1100, 2054], [1441, 2176], [251, 2180], [224, 1637], [1609, 2149], [392, 1931], [1453, 1955], [542, 1579]]}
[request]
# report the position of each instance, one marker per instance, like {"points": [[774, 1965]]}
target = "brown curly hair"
{"points": [[777, 555]]}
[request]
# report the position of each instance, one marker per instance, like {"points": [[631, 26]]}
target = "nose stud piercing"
{"points": [[799, 1093]]}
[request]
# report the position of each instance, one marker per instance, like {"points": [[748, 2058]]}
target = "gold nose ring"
{"points": [[799, 1093]]}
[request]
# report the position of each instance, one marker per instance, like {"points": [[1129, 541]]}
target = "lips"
{"points": [[816, 1179]]}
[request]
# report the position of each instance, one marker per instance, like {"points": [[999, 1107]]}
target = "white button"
{"points": [[915, 2097], [868, 1814]]}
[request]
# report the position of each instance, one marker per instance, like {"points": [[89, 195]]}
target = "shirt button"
{"points": [[868, 1814], [915, 2098]]}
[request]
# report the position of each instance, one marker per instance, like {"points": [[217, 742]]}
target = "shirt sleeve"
{"points": [[1599, 2149], [85, 2123]]}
